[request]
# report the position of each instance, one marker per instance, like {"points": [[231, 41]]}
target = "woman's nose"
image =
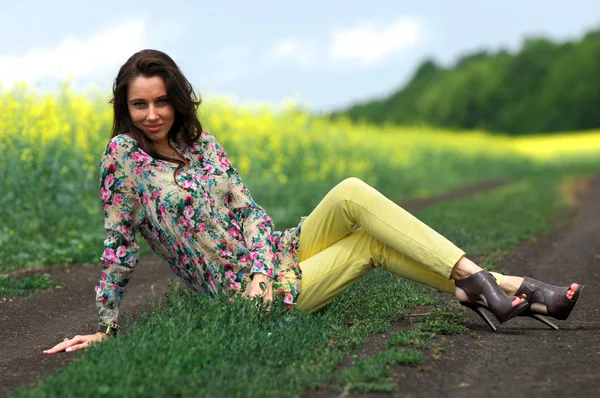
{"points": [[152, 115]]}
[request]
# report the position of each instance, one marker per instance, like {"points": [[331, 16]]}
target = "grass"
{"points": [[203, 347], [9, 286], [406, 348]]}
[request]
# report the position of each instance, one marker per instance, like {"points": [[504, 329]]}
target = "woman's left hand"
{"points": [[260, 286]]}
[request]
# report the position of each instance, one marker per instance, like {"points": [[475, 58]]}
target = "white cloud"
{"points": [[98, 54], [369, 43], [301, 52]]}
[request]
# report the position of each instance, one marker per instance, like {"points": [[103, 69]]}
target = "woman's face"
{"points": [[150, 109]]}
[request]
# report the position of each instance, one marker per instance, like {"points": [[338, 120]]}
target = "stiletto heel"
{"points": [[483, 292], [482, 314], [542, 319], [558, 305]]}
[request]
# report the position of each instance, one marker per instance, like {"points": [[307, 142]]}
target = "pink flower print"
{"points": [[225, 253], [202, 227], [187, 236], [269, 272], [104, 194], [244, 259], [145, 199], [236, 224], [204, 177], [253, 255], [109, 181], [186, 222], [125, 229], [258, 264], [209, 168], [155, 194], [257, 246], [140, 157], [234, 285], [233, 232], [188, 212], [224, 162], [288, 299], [109, 255], [188, 184], [113, 146], [117, 199], [121, 251], [112, 167], [184, 259], [189, 200], [230, 275]]}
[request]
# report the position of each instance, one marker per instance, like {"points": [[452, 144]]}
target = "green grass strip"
{"points": [[9, 286]]}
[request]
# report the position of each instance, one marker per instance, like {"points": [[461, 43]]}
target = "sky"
{"points": [[324, 54]]}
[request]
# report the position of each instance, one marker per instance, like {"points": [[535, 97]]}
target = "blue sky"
{"points": [[323, 54]]}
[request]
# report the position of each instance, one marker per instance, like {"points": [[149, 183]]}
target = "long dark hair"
{"points": [[180, 94]]}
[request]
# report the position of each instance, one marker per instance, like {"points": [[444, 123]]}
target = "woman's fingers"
{"points": [[77, 346], [268, 296], [74, 344], [59, 347]]}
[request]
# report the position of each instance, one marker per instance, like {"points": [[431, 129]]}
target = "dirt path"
{"points": [[29, 325], [526, 358]]}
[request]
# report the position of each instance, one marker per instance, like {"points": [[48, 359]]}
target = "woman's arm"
{"points": [[254, 222], [120, 248], [256, 225], [121, 251]]}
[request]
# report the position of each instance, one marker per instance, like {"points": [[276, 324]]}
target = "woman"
{"points": [[166, 178]]}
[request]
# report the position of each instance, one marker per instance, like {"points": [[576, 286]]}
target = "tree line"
{"points": [[544, 87]]}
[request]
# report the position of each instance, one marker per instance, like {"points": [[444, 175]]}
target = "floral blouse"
{"points": [[208, 229]]}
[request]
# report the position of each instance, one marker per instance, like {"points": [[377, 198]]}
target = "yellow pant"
{"points": [[334, 254]]}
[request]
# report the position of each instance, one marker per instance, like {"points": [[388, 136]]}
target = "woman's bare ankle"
{"points": [[464, 268], [510, 284]]}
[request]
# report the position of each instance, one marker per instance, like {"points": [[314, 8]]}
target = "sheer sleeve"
{"points": [[121, 251], [256, 225]]}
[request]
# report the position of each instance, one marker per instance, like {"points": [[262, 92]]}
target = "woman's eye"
{"points": [[138, 104], [163, 101]]}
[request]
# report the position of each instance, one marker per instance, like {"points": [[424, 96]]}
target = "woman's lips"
{"points": [[154, 129]]}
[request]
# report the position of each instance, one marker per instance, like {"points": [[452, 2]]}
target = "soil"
{"points": [[524, 358]]}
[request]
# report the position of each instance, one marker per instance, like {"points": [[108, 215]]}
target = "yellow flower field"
{"points": [[50, 147]]}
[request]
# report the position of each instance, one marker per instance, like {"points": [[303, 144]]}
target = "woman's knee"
{"points": [[350, 187]]}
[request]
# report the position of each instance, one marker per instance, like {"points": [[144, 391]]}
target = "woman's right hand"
{"points": [[77, 343]]}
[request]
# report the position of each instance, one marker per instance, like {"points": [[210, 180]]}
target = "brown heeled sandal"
{"points": [[483, 292], [558, 305]]}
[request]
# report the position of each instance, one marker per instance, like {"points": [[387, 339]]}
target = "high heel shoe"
{"points": [[558, 305], [483, 292]]}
